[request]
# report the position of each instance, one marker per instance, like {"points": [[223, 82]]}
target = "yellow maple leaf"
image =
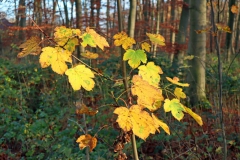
{"points": [[87, 141], [31, 46], [80, 76], [99, 40], [66, 37], [123, 39], [179, 93], [76, 32], [146, 46], [56, 57], [148, 95], [234, 9], [156, 39], [135, 119], [190, 57], [175, 81], [159, 123], [86, 110], [223, 27], [89, 55], [123, 118], [197, 118], [150, 73], [175, 107], [205, 30]]}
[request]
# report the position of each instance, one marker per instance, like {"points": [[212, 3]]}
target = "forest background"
{"points": [[39, 111]]}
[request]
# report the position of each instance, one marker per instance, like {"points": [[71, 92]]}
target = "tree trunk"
{"points": [[37, 12], [132, 19], [181, 38], [197, 47], [237, 46], [229, 35], [158, 26], [22, 14], [78, 4], [172, 20], [235, 32], [66, 13], [131, 29]]}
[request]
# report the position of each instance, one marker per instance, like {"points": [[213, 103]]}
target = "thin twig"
{"points": [[219, 85]]}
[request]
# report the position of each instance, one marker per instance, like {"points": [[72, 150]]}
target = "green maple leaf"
{"points": [[88, 40], [135, 57], [175, 107]]}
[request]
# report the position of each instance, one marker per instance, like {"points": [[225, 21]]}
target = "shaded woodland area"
{"points": [[40, 112]]}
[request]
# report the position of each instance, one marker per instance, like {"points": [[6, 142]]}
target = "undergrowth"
{"points": [[38, 119]]}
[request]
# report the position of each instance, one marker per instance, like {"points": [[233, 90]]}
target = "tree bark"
{"points": [[131, 30], [133, 5], [173, 35], [22, 14], [66, 13], [197, 47], [158, 26], [78, 4], [181, 38], [229, 35]]}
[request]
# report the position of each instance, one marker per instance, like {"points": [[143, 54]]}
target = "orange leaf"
{"points": [[89, 55], [223, 27], [175, 81], [85, 110], [145, 46], [203, 30], [148, 95], [87, 141], [234, 9]]}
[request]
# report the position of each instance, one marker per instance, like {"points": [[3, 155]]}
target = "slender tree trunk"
{"points": [[197, 47], [66, 13], [146, 14], [235, 31], [131, 30], [132, 18], [22, 14], [172, 35], [229, 35], [98, 3], [237, 44], [53, 12], [78, 4], [162, 15], [92, 22], [157, 27], [108, 23], [181, 38], [45, 12]]}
